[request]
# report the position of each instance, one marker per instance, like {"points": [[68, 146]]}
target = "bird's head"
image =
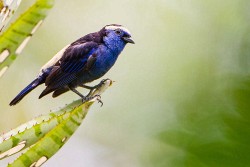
{"points": [[116, 36]]}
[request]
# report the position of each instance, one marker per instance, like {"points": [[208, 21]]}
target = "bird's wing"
{"points": [[54, 60], [75, 59]]}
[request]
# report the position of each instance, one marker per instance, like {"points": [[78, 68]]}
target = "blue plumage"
{"points": [[83, 61]]}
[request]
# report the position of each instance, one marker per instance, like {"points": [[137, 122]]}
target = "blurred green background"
{"points": [[182, 93]]}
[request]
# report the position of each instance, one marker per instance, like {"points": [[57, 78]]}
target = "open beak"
{"points": [[128, 40]]}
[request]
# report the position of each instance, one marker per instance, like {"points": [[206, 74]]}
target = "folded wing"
{"points": [[76, 58]]}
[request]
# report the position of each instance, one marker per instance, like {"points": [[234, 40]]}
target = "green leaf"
{"points": [[7, 9], [14, 40], [55, 139], [46, 133], [29, 133]]}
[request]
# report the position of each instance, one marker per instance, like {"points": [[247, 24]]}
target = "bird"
{"points": [[83, 61]]}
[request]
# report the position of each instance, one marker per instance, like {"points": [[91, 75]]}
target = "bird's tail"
{"points": [[25, 91]]}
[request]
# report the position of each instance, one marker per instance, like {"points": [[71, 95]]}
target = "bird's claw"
{"points": [[98, 98], [102, 82]]}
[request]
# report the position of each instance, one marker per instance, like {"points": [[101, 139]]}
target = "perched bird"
{"points": [[83, 61]]}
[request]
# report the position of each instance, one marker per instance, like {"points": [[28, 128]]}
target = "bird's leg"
{"points": [[92, 88], [96, 86], [86, 98], [78, 93]]}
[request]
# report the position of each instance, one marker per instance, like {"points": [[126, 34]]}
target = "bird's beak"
{"points": [[128, 40]]}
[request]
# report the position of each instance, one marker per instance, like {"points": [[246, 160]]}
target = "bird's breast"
{"points": [[105, 60]]}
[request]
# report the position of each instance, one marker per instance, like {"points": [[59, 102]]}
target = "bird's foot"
{"points": [[103, 81], [88, 98], [91, 88], [100, 84], [98, 98]]}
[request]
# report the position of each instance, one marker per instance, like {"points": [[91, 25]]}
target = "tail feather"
{"points": [[25, 91], [58, 92], [46, 91]]}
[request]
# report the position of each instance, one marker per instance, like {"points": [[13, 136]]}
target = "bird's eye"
{"points": [[118, 32]]}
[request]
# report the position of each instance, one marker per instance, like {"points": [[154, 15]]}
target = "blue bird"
{"points": [[81, 62]]}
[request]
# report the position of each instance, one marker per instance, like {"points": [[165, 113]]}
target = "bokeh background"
{"points": [[181, 96]]}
